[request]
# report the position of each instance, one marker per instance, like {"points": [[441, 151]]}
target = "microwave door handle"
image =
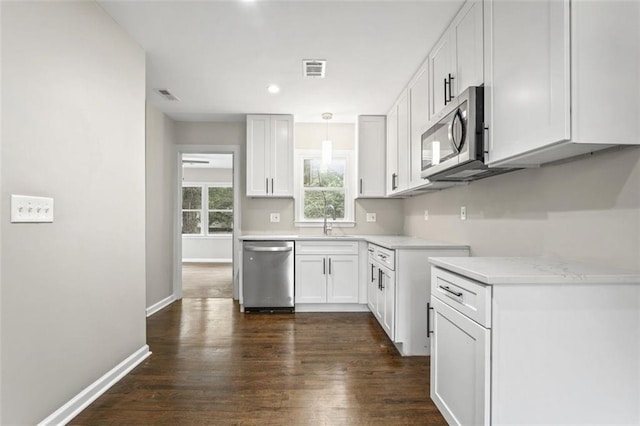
{"points": [[456, 144]]}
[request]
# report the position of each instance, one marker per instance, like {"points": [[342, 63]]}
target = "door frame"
{"points": [[177, 217]]}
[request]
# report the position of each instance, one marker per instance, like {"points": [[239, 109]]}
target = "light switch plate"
{"points": [[463, 213], [29, 209], [371, 217], [275, 217]]}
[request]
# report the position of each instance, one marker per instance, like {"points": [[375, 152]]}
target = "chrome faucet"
{"points": [[327, 226]]}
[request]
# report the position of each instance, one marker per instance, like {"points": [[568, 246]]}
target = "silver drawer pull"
{"points": [[448, 290]]}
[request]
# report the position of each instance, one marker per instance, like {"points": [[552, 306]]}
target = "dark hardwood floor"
{"points": [[214, 365]]}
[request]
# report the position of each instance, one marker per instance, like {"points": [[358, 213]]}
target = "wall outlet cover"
{"points": [[463, 213], [371, 217], [275, 217], [426, 215]]}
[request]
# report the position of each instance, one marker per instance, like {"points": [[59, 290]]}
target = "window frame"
{"points": [[204, 210], [298, 185]]}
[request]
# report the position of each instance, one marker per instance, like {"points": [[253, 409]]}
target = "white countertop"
{"points": [[389, 241], [533, 270]]}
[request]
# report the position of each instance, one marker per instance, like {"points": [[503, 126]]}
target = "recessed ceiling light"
{"points": [[273, 88]]}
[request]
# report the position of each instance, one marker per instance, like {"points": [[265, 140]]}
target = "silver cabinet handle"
{"points": [[448, 290], [267, 249], [272, 191], [429, 309], [360, 185], [329, 266], [324, 266], [372, 268], [266, 182]]}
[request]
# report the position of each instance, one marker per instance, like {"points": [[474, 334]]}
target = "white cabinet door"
{"points": [[419, 100], [311, 279], [269, 156], [460, 367], [403, 142], [467, 32], [392, 150], [440, 67], [372, 146], [372, 287], [342, 279], [527, 73], [281, 156], [388, 293], [258, 155]]}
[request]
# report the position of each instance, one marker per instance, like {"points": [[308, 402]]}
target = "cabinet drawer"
{"points": [[326, 247], [386, 256], [464, 295]]}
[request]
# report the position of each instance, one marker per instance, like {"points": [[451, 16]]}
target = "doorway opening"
{"points": [[208, 209]]}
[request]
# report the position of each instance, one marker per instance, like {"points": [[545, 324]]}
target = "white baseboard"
{"points": [[160, 305], [68, 411], [202, 260]]}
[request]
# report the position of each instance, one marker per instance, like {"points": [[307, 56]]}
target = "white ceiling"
{"points": [[218, 57]]}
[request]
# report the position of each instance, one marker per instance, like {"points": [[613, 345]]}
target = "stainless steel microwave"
{"points": [[453, 148]]}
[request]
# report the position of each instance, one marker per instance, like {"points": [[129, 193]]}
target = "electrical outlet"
{"points": [[426, 215], [31, 209], [371, 217], [275, 217], [463, 213]]}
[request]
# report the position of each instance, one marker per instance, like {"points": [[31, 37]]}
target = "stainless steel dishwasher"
{"points": [[267, 276]]}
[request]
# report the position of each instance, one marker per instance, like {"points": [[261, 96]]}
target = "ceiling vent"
{"points": [[314, 68], [166, 94]]}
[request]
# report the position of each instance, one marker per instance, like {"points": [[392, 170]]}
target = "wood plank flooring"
{"points": [[213, 365], [207, 280]]}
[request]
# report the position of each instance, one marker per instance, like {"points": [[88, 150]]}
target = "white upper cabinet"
{"points": [[419, 108], [392, 151], [269, 156], [372, 138], [403, 142], [456, 61], [562, 78], [398, 145]]}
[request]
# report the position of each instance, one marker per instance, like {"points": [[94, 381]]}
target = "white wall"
{"points": [[73, 114], [160, 178], [585, 210]]}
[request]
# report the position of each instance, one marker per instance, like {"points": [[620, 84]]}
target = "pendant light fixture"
{"points": [[326, 144]]}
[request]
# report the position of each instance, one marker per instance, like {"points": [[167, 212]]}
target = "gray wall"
{"points": [[587, 210], [73, 291], [207, 174], [160, 180]]}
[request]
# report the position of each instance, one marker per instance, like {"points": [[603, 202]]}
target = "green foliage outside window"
{"points": [[323, 186], [219, 210]]}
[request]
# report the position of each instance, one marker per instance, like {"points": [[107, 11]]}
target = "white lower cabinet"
{"points": [[325, 277], [460, 354], [398, 291], [534, 341]]}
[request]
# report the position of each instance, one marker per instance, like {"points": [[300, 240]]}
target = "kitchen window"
{"points": [[213, 202], [319, 185]]}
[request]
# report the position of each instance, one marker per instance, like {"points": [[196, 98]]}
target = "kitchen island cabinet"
{"points": [[534, 341]]}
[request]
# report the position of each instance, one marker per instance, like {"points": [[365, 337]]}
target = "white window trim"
{"points": [[349, 214], [204, 211]]}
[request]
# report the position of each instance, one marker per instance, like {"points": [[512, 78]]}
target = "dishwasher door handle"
{"points": [[267, 249]]}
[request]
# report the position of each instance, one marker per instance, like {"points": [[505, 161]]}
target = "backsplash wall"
{"points": [[587, 209]]}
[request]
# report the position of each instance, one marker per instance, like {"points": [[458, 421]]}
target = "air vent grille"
{"points": [[166, 94], [314, 68]]}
